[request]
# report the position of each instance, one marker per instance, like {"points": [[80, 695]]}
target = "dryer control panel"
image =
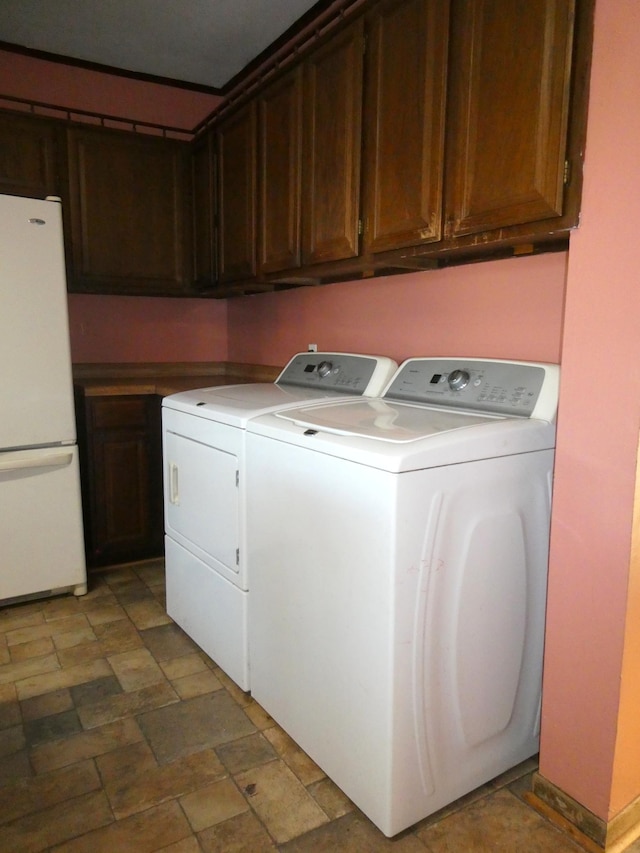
{"points": [[513, 388], [335, 371]]}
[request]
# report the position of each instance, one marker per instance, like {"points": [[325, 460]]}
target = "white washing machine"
{"points": [[398, 551], [204, 491]]}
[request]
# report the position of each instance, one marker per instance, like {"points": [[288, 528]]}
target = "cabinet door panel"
{"points": [[280, 141], [510, 78], [28, 156], [203, 183], [122, 517], [237, 195], [121, 470], [406, 69], [332, 145], [127, 212]]}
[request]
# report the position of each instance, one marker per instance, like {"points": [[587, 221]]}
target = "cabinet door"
{"points": [[123, 479], [28, 156], [280, 143], [510, 78], [203, 190], [404, 119], [236, 142], [128, 227], [331, 150]]}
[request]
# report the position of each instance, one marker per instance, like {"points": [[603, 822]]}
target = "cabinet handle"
{"points": [[21, 460], [174, 495]]}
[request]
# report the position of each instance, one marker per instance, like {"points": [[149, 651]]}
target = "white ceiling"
{"points": [[196, 41]]}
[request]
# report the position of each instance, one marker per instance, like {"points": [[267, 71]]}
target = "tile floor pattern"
{"points": [[117, 733]]}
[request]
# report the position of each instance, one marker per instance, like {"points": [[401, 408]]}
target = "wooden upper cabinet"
{"points": [[510, 76], [127, 208], [332, 146], [203, 211], [237, 166], [406, 64], [28, 156], [280, 147]]}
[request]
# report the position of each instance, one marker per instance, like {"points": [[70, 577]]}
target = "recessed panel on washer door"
{"points": [[201, 500]]}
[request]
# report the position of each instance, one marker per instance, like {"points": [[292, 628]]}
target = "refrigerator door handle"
{"points": [[19, 461]]}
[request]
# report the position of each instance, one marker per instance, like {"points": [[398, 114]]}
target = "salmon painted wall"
{"points": [[502, 309], [590, 730], [94, 91], [107, 329]]}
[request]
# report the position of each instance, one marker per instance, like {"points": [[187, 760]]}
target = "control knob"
{"points": [[325, 368], [459, 379]]}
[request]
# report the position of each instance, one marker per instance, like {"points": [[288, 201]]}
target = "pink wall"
{"points": [[94, 91], [590, 732], [505, 309], [597, 450], [107, 329]]}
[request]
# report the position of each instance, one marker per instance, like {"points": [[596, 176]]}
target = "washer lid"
{"points": [[381, 420], [235, 404]]}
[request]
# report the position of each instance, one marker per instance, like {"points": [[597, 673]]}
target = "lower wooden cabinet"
{"points": [[120, 440]]}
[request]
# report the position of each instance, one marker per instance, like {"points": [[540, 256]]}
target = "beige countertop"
{"points": [[163, 379]]}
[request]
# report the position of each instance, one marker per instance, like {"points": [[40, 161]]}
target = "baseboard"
{"points": [[593, 833]]}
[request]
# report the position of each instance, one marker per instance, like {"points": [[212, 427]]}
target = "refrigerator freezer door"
{"points": [[36, 397], [41, 543]]}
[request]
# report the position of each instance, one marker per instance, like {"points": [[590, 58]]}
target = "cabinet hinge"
{"points": [[237, 556], [237, 478], [566, 175], [364, 43], [360, 228]]}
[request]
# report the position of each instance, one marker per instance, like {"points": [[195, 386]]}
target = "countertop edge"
{"points": [[95, 380]]}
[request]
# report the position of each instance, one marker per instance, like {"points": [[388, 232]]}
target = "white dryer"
{"points": [[398, 550], [204, 491]]}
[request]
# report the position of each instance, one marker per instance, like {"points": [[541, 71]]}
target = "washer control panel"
{"points": [[334, 371], [521, 389]]}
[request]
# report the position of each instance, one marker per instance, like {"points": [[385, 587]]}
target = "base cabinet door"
{"points": [[510, 80], [121, 456]]}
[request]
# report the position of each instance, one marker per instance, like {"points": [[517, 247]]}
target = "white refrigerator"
{"points": [[41, 534]]}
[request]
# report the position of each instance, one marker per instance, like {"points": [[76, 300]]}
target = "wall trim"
{"points": [[587, 829]]}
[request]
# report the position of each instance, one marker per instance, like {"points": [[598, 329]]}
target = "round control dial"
{"points": [[325, 368], [459, 379]]}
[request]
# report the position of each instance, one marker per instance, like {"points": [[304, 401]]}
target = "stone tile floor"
{"points": [[118, 734]]}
